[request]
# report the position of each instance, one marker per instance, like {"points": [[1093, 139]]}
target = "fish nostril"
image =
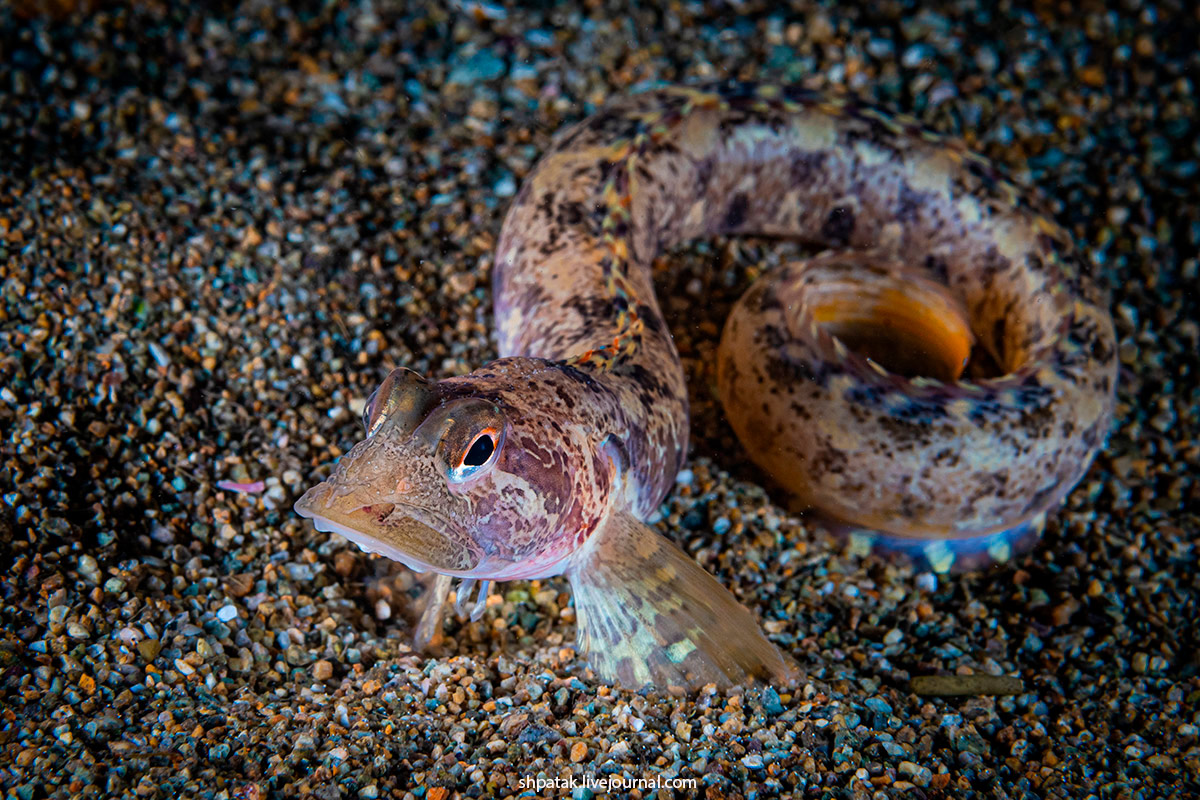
{"points": [[378, 511]]}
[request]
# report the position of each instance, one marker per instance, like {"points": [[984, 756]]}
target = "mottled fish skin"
{"points": [[585, 416], [950, 462]]}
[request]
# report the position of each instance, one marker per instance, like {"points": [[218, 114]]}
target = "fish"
{"points": [[936, 380]]}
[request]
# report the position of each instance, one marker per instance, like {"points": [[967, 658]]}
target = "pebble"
{"points": [[956, 685]]}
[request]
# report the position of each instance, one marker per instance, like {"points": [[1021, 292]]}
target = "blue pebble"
{"points": [[878, 705], [770, 701]]}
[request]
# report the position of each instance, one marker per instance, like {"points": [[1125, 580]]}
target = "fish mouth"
{"points": [[390, 529]]}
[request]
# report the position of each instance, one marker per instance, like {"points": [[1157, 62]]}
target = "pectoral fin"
{"points": [[649, 615]]}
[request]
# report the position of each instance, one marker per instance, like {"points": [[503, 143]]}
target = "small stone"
{"points": [[57, 618], [578, 752], [149, 648], [89, 569], [921, 776], [482, 66], [955, 685], [771, 702], [1092, 75], [239, 585], [878, 705], [322, 670], [1061, 614], [344, 563]]}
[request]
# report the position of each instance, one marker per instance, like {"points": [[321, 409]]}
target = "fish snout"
{"points": [[401, 532]]}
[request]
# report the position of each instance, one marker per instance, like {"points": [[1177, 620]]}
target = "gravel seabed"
{"points": [[218, 233]]}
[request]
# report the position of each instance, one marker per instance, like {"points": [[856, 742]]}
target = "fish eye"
{"points": [[477, 455], [370, 420], [404, 395]]}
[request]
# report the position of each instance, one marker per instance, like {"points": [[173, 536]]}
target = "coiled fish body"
{"points": [[938, 379]]}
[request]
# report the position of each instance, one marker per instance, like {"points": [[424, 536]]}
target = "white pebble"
{"points": [[383, 610]]}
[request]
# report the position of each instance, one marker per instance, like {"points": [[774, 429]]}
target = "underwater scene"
{"points": [[605, 399]]}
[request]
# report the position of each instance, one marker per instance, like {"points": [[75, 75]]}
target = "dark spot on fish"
{"points": [[828, 460], [838, 227], [866, 395], [1047, 243], [735, 217], [999, 343], [938, 267], [784, 370], [985, 409], [1031, 393], [571, 213], [1038, 498], [984, 171], [580, 376], [768, 299], [804, 168], [922, 411], [910, 203], [991, 265], [800, 411], [650, 319], [904, 434], [704, 171], [945, 456]]}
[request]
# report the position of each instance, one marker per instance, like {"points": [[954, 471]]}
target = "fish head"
{"points": [[459, 478]]}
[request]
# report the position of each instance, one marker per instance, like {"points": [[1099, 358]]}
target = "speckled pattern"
{"points": [[222, 228], [919, 458], [589, 413]]}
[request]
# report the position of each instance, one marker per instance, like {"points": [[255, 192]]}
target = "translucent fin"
{"points": [[481, 601], [429, 627], [944, 556], [462, 597], [650, 616]]}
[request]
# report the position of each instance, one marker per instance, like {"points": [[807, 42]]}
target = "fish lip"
{"points": [[315, 505]]}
